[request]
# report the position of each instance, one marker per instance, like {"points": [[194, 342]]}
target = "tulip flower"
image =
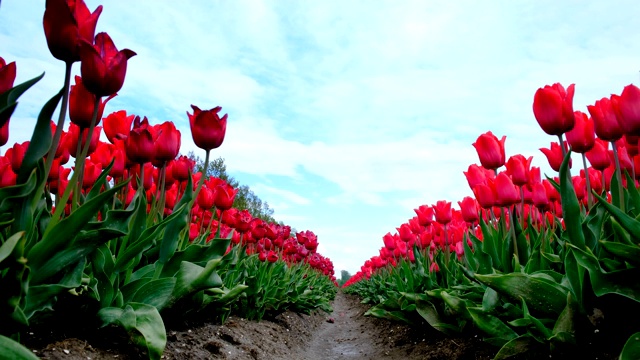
{"points": [[7, 176], [81, 105], [477, 175], [7, 78], [553, 108], [598, 155], [224, 196], [627, 108], [16, 155], [582, 137], [518, 169], [507, 193], [540, 198], [404, 231], [73, 137], [103, 67], [117, 125], [389, 241], [554, 156], [66, 24], [469, 209], [425, 215], [605, 121], [485, 194], [139, 145], [207, 127], [490, 150], [443, 213], [167, 144]]}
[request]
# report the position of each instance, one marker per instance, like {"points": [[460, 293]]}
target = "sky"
{"points": [[346, 115]]}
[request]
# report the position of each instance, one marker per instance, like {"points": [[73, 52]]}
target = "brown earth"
{"points": [[344, 334]]}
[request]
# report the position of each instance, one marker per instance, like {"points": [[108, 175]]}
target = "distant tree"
{"points": [[245, 198], [344, 276]]}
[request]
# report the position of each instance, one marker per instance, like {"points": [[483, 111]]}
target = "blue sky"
{"points": [[346, 115]]}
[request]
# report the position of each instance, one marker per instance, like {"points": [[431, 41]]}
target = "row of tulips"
{"points": [[129, 231], [531, 262]]}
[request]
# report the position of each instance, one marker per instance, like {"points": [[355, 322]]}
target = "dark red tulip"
{"points": [[139, 145], [81, 105], [103, 67], [92, 171], [272, 256], [66, 24], [490, 150], [73, 136], [582, 137], [207, 127], [167, 144], [16, 153], [7, 176], [553, 108], [224, 196], [7, 78], [181, 168], [605, 121]]}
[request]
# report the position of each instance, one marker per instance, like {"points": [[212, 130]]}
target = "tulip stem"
{"points": [[588, 181], [63, 114], [513, 234], [564, 150], [618, 176], [446, 247], [85, 150], [204, 175]]}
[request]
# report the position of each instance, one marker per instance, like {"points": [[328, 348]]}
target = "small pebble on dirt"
{"points": [[331, 320]]}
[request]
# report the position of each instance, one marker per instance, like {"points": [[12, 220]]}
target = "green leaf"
{"points": [[40, 140], [144, 324], [518, 345], [630, 253], [11, 349], [631, 349], [540, 294], [630, 224], [153, 292], [8, 99], [192, 278], [570, 206], [491, 325], [7, 247], [428, 312], [61, 235], [172, 232]]}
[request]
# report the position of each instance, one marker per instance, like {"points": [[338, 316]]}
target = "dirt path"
{"points": [[346, 334]]}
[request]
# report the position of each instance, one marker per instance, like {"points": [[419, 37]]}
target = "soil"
{"points": [[344, 334]]}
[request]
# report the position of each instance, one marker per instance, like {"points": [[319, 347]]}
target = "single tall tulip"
{"points": [[167, 145], [553, 108], [103, 67], [207, 127], [67, 23], [490, 150]]}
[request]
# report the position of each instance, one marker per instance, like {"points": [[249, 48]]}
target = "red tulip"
{"points": [[117, 125], [7, 176], [139, 145], [224, 196], [554, 156], [598, 156], [443, 213], [486, 194], [623, 157], [81, 105], [73, 136], [7, 78], [518, 169], [92, 171], [490, 150], [66, 24], [469, 209], [207, 127], [272, 256], [553, 108], [627, 107], [405, 233], [181, 168], [540, 198], [507, 193], [167, 144], [16, 154], [605, 122], [103, 67], [477, 175], [425, 215], [582, 137]]}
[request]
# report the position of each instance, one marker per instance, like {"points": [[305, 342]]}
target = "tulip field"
{"points": [[132, 234]]}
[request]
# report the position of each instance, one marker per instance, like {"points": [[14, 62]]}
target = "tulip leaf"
{"points": [[571, 212], [621, 282], [630, 224], [192, 278], [9, 195], [515, 346], [153, 292], [7, 247], [11, 349], [631, 349], [492, 325], [8, 99], [143, 323], [169, 243], [540, 293], [630, 253], [40, 140]]}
